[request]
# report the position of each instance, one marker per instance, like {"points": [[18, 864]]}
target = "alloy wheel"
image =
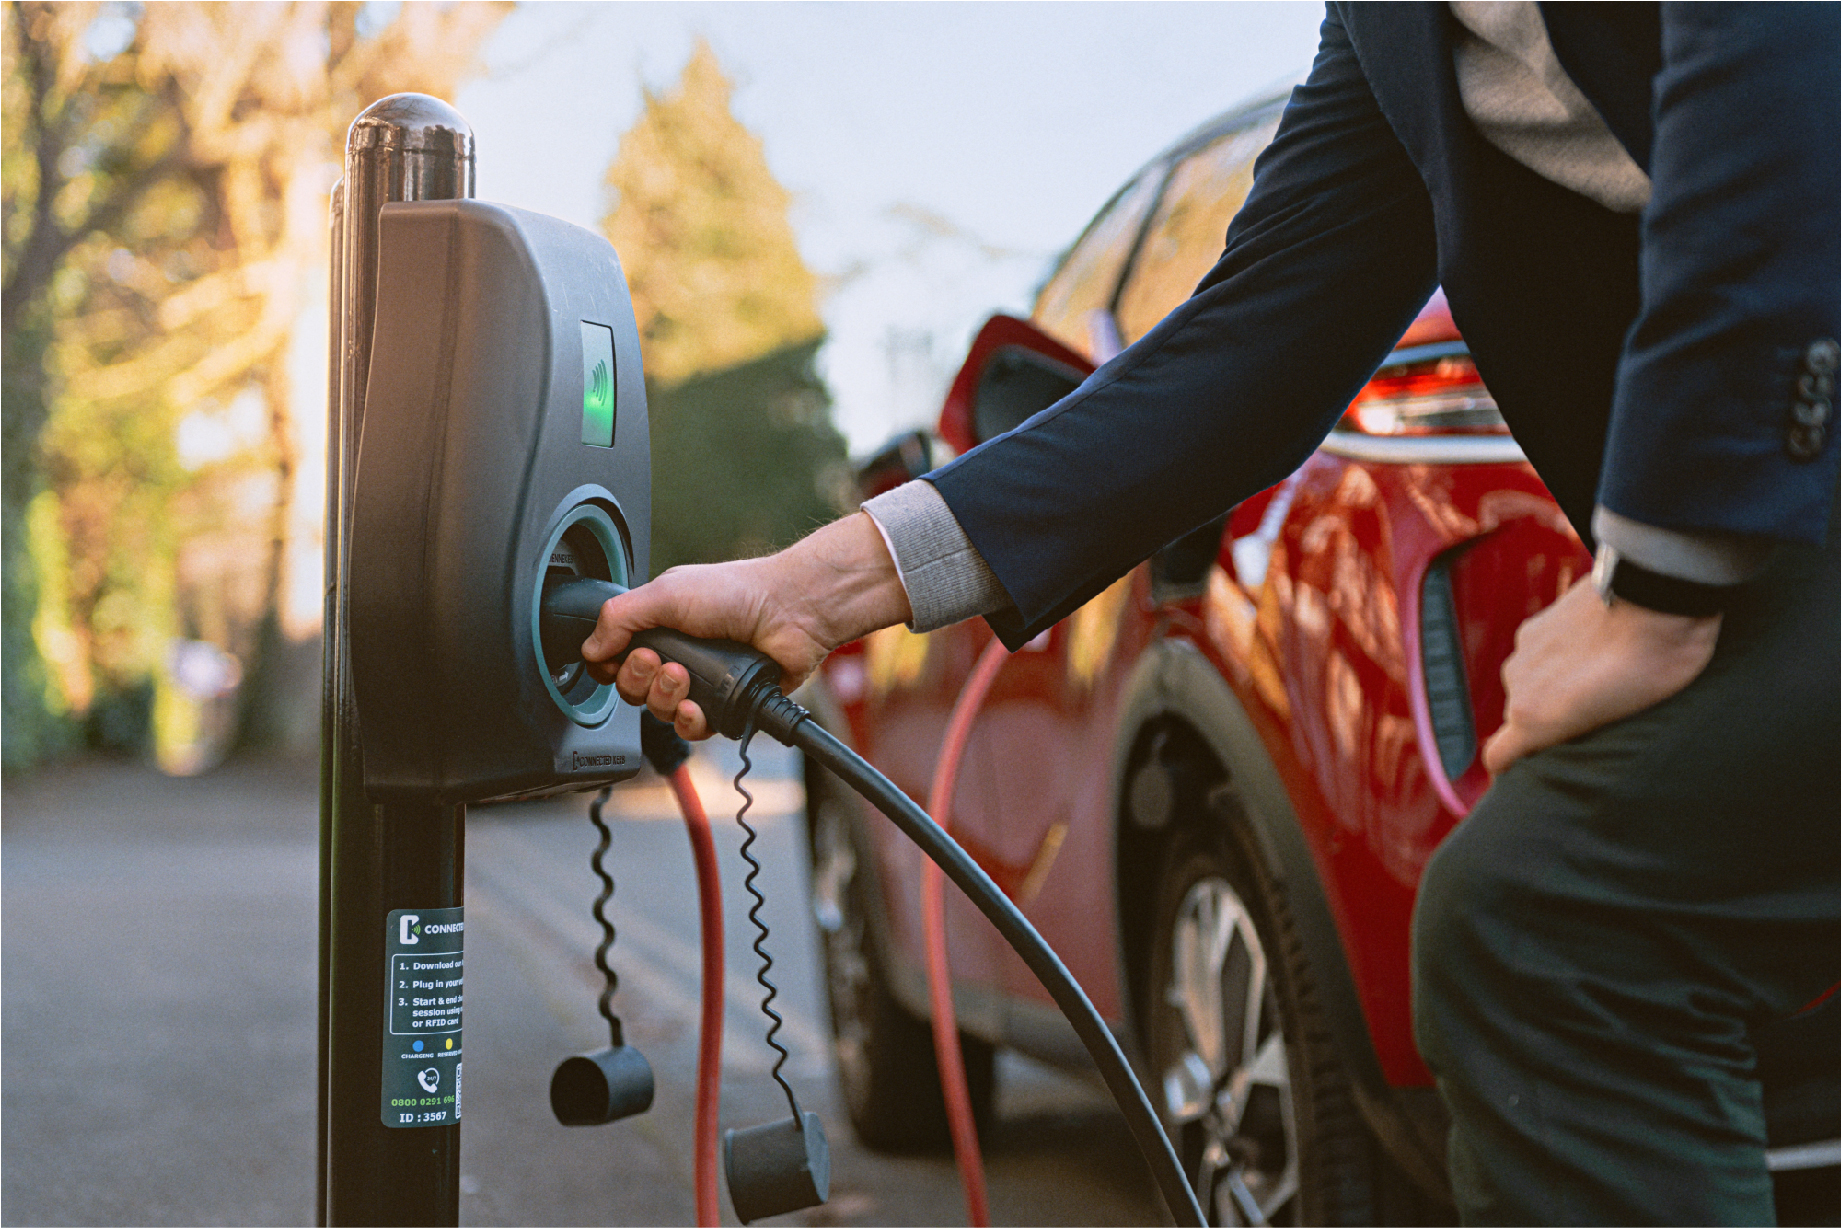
{"points": [[843, 930], [1226, 1076]]}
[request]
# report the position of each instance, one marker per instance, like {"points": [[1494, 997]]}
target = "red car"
{"points": [[1215, 786]]}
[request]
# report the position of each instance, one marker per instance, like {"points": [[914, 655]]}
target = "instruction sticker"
{"points": [[425, 953]]}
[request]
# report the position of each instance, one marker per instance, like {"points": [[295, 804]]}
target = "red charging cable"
{"points": [[933, 915], [946, 1050], [709, 1042]]}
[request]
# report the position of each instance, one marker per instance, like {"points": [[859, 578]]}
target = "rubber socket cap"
{"points": [[778, 1167], [592, 1089]]}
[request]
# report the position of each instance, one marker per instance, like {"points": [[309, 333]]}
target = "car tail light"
{"points": [[1438, 395]]}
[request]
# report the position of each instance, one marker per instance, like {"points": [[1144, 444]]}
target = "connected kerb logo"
{"points": [[410, 928]]}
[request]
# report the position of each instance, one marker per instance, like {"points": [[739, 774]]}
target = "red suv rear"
{"points": [[1215, 786]]}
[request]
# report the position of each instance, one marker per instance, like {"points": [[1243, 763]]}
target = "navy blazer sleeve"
{"points": [[1324, 268], [1740, 276]]}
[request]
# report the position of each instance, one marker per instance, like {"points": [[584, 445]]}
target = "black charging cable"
{"points": [[769, 990], [593, 1089], [597, 861], [738, 690]]}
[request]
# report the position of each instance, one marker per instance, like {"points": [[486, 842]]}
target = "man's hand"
{"points": [[1580, 664], [795, 606]]}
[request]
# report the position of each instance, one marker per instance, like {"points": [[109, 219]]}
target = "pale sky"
{"points": [[939, 154]]}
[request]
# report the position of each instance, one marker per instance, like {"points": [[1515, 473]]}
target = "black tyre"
{"points": [[885, 1062], [1242, 1067]]}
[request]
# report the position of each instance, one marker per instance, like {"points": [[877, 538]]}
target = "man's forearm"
{"points": [[846, 576]]}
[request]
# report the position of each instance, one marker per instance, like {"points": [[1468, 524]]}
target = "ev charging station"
{"points": [[488, 489], [488, 429]]}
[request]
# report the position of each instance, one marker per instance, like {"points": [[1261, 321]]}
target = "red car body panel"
{"points": [[1325, 660]]}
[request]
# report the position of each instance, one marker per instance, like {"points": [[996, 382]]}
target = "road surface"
{"points": [[159, 980]]}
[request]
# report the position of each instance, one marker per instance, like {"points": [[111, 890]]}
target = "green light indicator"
{"points": [[597, 385]]}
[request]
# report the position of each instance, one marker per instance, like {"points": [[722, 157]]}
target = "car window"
{"points": [[1090, 272], [1190, 227], [1016, 385]]}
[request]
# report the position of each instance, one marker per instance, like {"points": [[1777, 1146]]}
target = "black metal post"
{"points": [[329, 691], [374, 859]]}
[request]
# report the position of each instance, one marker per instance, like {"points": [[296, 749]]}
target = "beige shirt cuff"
{"points": [[1706, 558], [945, 577]]}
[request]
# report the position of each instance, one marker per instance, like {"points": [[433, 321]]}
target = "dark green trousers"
{"points": [[1597, 942]]}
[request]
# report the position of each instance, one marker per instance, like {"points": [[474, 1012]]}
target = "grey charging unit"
{"points": [[505, 440]]}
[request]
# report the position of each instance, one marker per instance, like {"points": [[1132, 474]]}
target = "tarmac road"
{"points": [[159, 980]]}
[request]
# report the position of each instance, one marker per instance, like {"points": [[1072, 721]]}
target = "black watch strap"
{"points": [[1616, 576]]}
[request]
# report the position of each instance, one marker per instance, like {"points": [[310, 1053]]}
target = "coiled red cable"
{"points": [[947, 1054], [933, 916], [709, 1042]]}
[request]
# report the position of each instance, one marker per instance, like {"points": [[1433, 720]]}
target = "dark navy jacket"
{"points": [[1648, 363]]}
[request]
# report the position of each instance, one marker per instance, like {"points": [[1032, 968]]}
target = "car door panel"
{"points": [[1327, 650]]}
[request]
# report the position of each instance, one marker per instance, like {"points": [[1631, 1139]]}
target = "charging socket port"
{"points": [[585, 541]]}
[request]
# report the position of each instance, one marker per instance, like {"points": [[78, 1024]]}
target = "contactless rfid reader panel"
{"points": [[504, 440]]}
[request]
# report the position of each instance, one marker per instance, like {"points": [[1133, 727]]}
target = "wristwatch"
{"points": [[1613, 575]]}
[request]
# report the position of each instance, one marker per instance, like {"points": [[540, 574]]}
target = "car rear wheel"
{"points": [[885, 1063], [1244, 1074]]}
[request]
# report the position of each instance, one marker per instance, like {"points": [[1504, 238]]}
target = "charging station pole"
{"points": [[376, 861]]}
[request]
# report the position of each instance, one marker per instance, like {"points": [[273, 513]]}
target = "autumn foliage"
{"points": [[166, 177]]}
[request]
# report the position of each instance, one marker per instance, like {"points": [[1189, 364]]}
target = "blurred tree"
{"points": [[166, 171], [744, 454]]}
